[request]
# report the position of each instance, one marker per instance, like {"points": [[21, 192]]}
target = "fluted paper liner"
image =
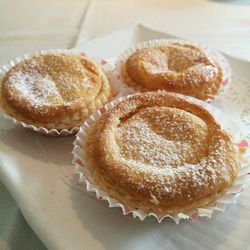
{"points": [[86, 179], [212, 53], [53, 132]]}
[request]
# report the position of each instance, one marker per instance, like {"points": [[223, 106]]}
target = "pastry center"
{"points": [[181, 59], [163, 137]]}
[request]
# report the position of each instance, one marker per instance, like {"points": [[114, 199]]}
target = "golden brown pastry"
{"points": [[173, 67], [162, 154], [54, 90]]}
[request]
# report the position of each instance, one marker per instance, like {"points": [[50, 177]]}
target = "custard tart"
{"points": [[175, 67], [161, 153], [54, 90]]}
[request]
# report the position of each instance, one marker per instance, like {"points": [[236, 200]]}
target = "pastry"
{"points": [[161, 153], [175, 67], [54, 90]]}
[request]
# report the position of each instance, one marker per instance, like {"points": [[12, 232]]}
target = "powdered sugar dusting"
{"points": [[40, 89], [174, 145], [54, 79]]}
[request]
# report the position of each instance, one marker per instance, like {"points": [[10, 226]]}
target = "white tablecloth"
{"points": [[27, 26]]}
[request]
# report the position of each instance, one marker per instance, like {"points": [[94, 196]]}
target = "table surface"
{"points": [[27, 26]]}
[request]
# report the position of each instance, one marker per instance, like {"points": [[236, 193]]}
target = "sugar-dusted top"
{"points": [[162, 151], [174, 145], [53, 79]]}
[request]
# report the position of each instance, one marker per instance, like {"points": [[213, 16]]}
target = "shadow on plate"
{"points": [[55, 150], [113, 230]]}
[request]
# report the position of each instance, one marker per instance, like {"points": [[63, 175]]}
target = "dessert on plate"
{"points": [[175, 67], [161, 153], [54, 90]]}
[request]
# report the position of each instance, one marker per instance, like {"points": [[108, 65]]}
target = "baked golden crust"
{"points": [[54, 90], [174, 67], [162, 154]]}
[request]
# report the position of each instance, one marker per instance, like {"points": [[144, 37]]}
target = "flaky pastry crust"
{"points": [[180, 68], [54, 90], [162, 154]]}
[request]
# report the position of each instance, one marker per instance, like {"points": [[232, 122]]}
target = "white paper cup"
{"points": [[86, 179]]}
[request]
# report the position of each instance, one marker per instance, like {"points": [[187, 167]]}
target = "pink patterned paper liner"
{"points": [[85, 177], [212, 53], [52, 132]]}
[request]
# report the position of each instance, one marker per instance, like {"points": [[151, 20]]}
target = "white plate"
{"points": [[38, 173]]}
